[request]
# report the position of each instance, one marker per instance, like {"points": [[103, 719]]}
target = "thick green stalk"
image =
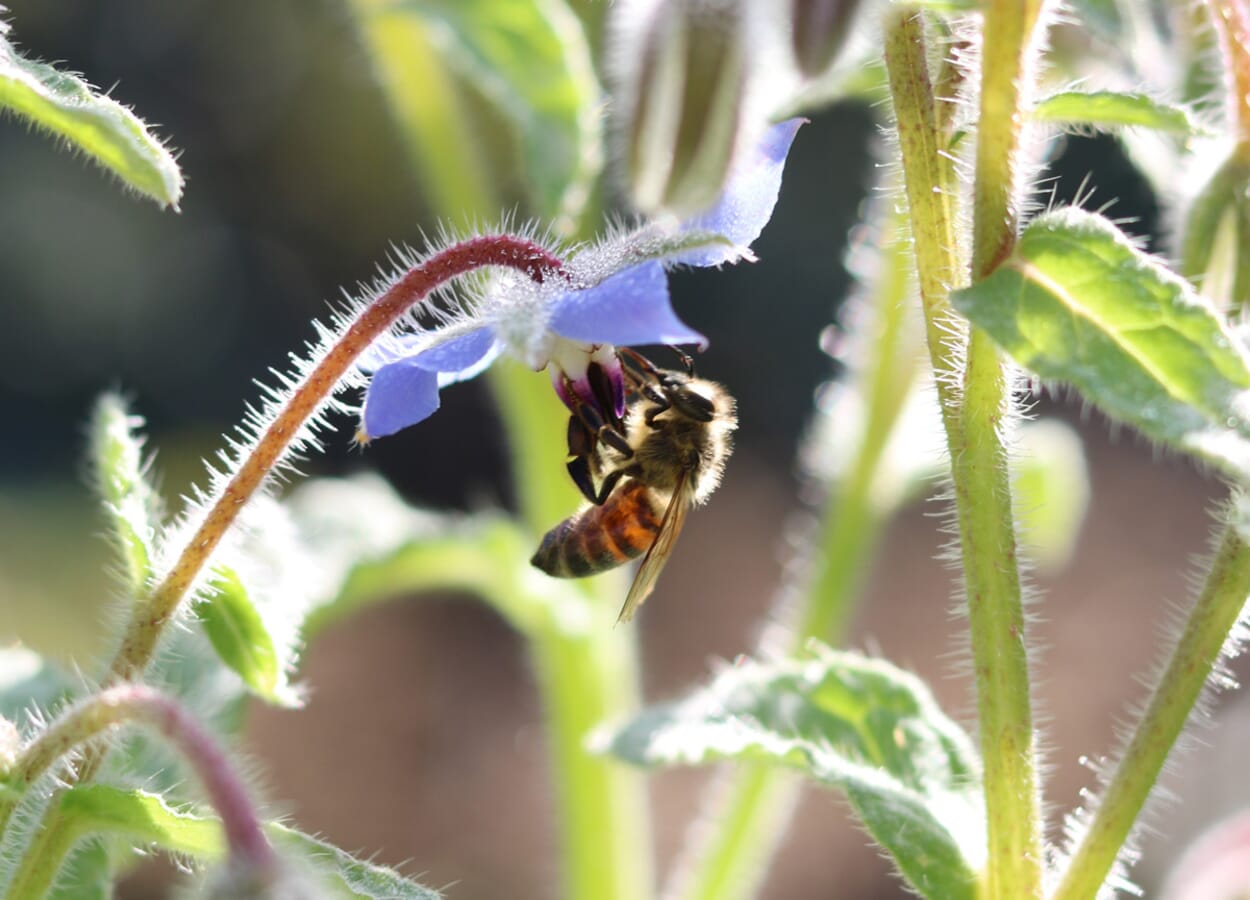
{"points": [[749, 807], [587, 673], [982, 483], [974, 419], [1196, 653]]}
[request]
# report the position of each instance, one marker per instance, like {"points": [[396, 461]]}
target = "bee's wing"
{"points": [[657, 555]]}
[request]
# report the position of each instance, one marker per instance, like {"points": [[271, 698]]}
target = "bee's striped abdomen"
{"points": [[601, 537]]}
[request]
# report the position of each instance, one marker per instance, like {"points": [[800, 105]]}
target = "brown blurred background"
{"points": [[422, 740]]}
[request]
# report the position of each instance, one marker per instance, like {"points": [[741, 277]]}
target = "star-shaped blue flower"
{"points": [[613, 294]]}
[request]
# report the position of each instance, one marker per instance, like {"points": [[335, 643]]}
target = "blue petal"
{"points": [[630, 307], [748, 200], [461, 357], [399, 394]]}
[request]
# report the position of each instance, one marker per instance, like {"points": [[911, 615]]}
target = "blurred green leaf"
{"points": [[1215, 236], [87, 876], [143, 817], [146, 818], [1051, 490], [28, 683], [342, 873], [370, 546], [238, 634], [1077, 302], [132, 505], [850, 722], [530, 58], [1113, 109], [100, 127]]}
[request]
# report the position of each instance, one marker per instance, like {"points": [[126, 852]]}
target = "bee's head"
{"points": [[681, 393]]}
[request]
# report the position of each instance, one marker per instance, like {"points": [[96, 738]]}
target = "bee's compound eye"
{"points": [[694, 405]]}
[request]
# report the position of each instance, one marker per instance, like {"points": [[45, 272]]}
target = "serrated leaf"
{"points": [[146, 818], [1114, 109], [345, 875], [850, 722], [130, 502], [1077, 302], [100, 127], [143, 817], [530, 58], [237, 632]]}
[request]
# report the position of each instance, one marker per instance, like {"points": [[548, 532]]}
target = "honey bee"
{"points": [[666, 456]]}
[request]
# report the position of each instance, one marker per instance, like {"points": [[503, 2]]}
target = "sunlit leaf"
{"points": [[99, 126], [344, 875], [529, 57], [1113, 109], [131, 504], [146, 818], [238, 633], [143, 817], [1077, 302], [850, 722]]}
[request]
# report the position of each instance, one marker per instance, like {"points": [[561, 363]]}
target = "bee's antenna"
{"points": [[686, 360]]}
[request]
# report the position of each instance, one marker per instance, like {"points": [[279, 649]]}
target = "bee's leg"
{"points": [[661, 404], [609, 483], [579, 471], [686, 360]]}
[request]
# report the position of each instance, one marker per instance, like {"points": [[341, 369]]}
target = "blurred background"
{"points": [[421, 742]]}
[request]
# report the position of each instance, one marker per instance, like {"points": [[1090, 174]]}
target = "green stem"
{"points": [[974, 418], [748, 808], [1214, 614], [586, 680], [587, 672], [982, 482]]}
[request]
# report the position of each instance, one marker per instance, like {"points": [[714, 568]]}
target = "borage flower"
{"points": [[612, 294]]}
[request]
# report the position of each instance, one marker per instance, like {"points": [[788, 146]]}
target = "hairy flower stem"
{"points": [[982, 482], [973, 418], [1213, 616], [138, 704], [151, 615]]}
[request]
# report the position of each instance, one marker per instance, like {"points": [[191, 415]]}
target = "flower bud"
{"points": [[1215, 235], [682, 75], [818, 30]]}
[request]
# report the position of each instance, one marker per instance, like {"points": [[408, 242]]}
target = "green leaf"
{"points": [[370, 546], [530, 58], [1114, 109], [87, 876], [238, 634], [100, 127], [143, 817], [29, 683], [146, 818], [1077, 302], [119, 471], [342, 873], [850, 722]]}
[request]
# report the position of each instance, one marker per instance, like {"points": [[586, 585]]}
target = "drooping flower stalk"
{"points": [[138, 704], [316, 388]]}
